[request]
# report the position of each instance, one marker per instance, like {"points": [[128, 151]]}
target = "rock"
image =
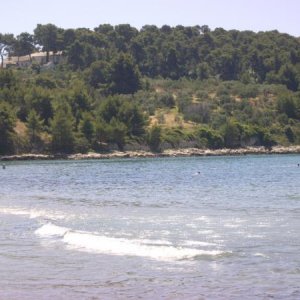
{"points": [[186, 152]]}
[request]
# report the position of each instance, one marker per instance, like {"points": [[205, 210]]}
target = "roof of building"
{"points": [[42, 54]]}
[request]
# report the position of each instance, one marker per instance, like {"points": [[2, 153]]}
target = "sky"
{"points": [[18, 16]]}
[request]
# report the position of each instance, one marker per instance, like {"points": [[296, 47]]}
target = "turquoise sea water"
{"points": [[173, 228]]}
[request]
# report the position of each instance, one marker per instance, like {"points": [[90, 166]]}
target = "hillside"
{"points": [[157, 88]]}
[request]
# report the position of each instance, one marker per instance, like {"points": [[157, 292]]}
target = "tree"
{"points": [[228, 65], [117, 132], [104, 29], [62, 129], [109, 108], [40, 100], [232, 134], [288, 76], [101, 131], [290, 134], [87, 127], [124, 34], [7, 79], [34, 125], [212, 137], [125, 76], [99, 75], [7, 42], [133, 117], [171, 64], [76, 55], [79, 100], [45, 82], [287, 105], [81, 55], [69, 38], [48, 37], [154, 138], [7, 124], [24, 44], [203, 71]]}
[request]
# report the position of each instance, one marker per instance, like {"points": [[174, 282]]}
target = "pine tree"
{"points": [[125, 76], [34, 125], [62, 129]]}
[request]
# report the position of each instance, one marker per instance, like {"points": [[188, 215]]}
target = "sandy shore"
{"points": [[167, 153]]}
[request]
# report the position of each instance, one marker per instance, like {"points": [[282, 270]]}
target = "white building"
{"points": [[28, 60]]}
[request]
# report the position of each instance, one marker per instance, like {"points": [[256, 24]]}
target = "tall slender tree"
{"points": [[62, 129], [47, 36]]}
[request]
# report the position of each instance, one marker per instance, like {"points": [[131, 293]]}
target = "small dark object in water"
{"points": [[3, 166]]}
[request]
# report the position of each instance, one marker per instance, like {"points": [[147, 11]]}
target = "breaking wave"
{"points": [[93, 242]]}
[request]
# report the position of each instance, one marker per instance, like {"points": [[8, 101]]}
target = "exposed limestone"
{"points": [[167, 153]]}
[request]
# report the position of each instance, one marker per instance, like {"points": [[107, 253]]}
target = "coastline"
{"points": [[186, 152]]}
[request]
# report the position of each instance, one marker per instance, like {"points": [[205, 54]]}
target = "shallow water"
{"points": [[173, 228]]}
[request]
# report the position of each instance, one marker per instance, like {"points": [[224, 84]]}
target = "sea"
{"points": [[158, 228]]}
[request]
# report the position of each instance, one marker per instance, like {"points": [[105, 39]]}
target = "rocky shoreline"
{"points": [[167, 153]]}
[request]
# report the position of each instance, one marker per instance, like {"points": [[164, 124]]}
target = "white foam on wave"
{"points": [[153, 242], [93, 242], [33, 213], [198, 243], [118, 246], [51, 230], [261, 255]]}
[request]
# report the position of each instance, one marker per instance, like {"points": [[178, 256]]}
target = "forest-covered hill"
{"points": [[119, 87]]}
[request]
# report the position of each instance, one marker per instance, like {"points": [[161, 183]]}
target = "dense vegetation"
{"points": [[123, 88]]}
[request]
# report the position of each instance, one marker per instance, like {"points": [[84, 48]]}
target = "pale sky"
{"points": [[17, 16]]}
